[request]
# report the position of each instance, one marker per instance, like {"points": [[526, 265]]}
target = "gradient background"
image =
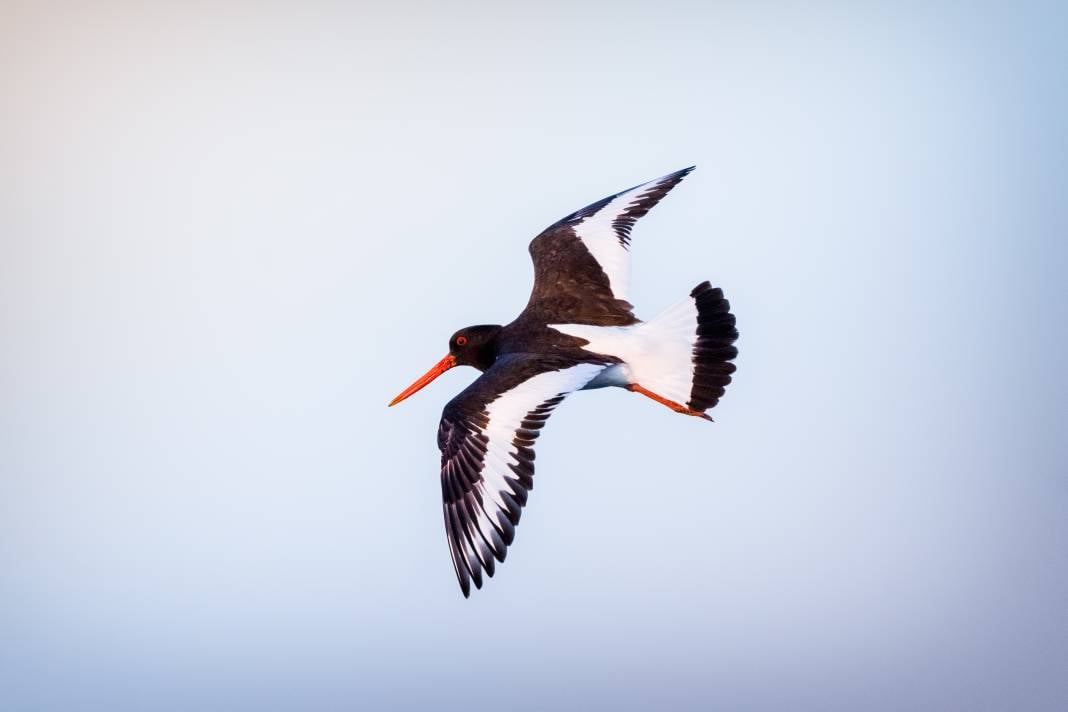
{"points": [[231, 233]]}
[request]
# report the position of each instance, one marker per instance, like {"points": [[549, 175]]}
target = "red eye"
{"points": [[461, 341]]}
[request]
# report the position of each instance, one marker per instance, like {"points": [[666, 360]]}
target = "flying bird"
{"points": [[577, 332]]}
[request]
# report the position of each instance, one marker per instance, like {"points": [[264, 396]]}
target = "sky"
{"points": [[230, 233]]}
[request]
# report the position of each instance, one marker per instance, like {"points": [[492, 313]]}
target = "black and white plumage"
{"points": [[487, 455], [582, 262], [578, 331]]}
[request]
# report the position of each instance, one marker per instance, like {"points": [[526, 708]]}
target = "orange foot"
{"points": [[678, 408]]}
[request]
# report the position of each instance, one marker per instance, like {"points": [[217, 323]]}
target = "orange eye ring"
{"points": [[461, 341]]}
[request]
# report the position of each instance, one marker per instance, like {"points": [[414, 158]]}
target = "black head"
{"points": [[475, 346]]}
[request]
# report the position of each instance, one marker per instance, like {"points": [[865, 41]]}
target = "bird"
{"points": [[577, 332]]}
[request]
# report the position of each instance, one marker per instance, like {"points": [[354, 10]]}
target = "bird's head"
{"points": [[471, 346]]}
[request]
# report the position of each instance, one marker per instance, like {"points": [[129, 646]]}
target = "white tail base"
{"points": [[657, 355]]}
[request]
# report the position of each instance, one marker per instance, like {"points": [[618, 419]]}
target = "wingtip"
{"points": [[676, 176]]}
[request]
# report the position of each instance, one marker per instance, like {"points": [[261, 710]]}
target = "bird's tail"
{"points": [[694, 341]]}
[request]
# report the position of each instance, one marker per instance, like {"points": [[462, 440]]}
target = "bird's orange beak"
{"points": [[439, 368]]}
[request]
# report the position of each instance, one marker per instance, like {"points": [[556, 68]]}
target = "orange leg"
{"points": [[678, 408]]}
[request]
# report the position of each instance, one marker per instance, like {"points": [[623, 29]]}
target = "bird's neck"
{"points": [[488, 352]]}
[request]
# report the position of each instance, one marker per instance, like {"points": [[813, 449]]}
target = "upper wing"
{"points": [[486, 438], [582, 263]]}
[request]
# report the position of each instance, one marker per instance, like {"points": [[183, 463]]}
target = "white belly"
{"points": [[616, 375]]}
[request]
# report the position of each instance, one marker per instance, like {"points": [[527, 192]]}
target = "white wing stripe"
{"points": [[482, 505], [507, 411], [598, 233], [506, 415]]}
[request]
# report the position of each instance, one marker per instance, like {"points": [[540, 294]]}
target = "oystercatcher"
{"points": [[577, 332]]}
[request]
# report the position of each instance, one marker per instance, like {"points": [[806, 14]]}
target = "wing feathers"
{"points": [[487, 436], [582, 262]]}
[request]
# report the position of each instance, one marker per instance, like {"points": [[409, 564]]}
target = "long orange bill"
{"points": [[439, 368]]}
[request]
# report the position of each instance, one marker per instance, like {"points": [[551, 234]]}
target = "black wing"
{"points": [[486, 437], [582, 263]]}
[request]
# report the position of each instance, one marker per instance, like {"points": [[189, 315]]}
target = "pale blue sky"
{"points": [[232, 234]]}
